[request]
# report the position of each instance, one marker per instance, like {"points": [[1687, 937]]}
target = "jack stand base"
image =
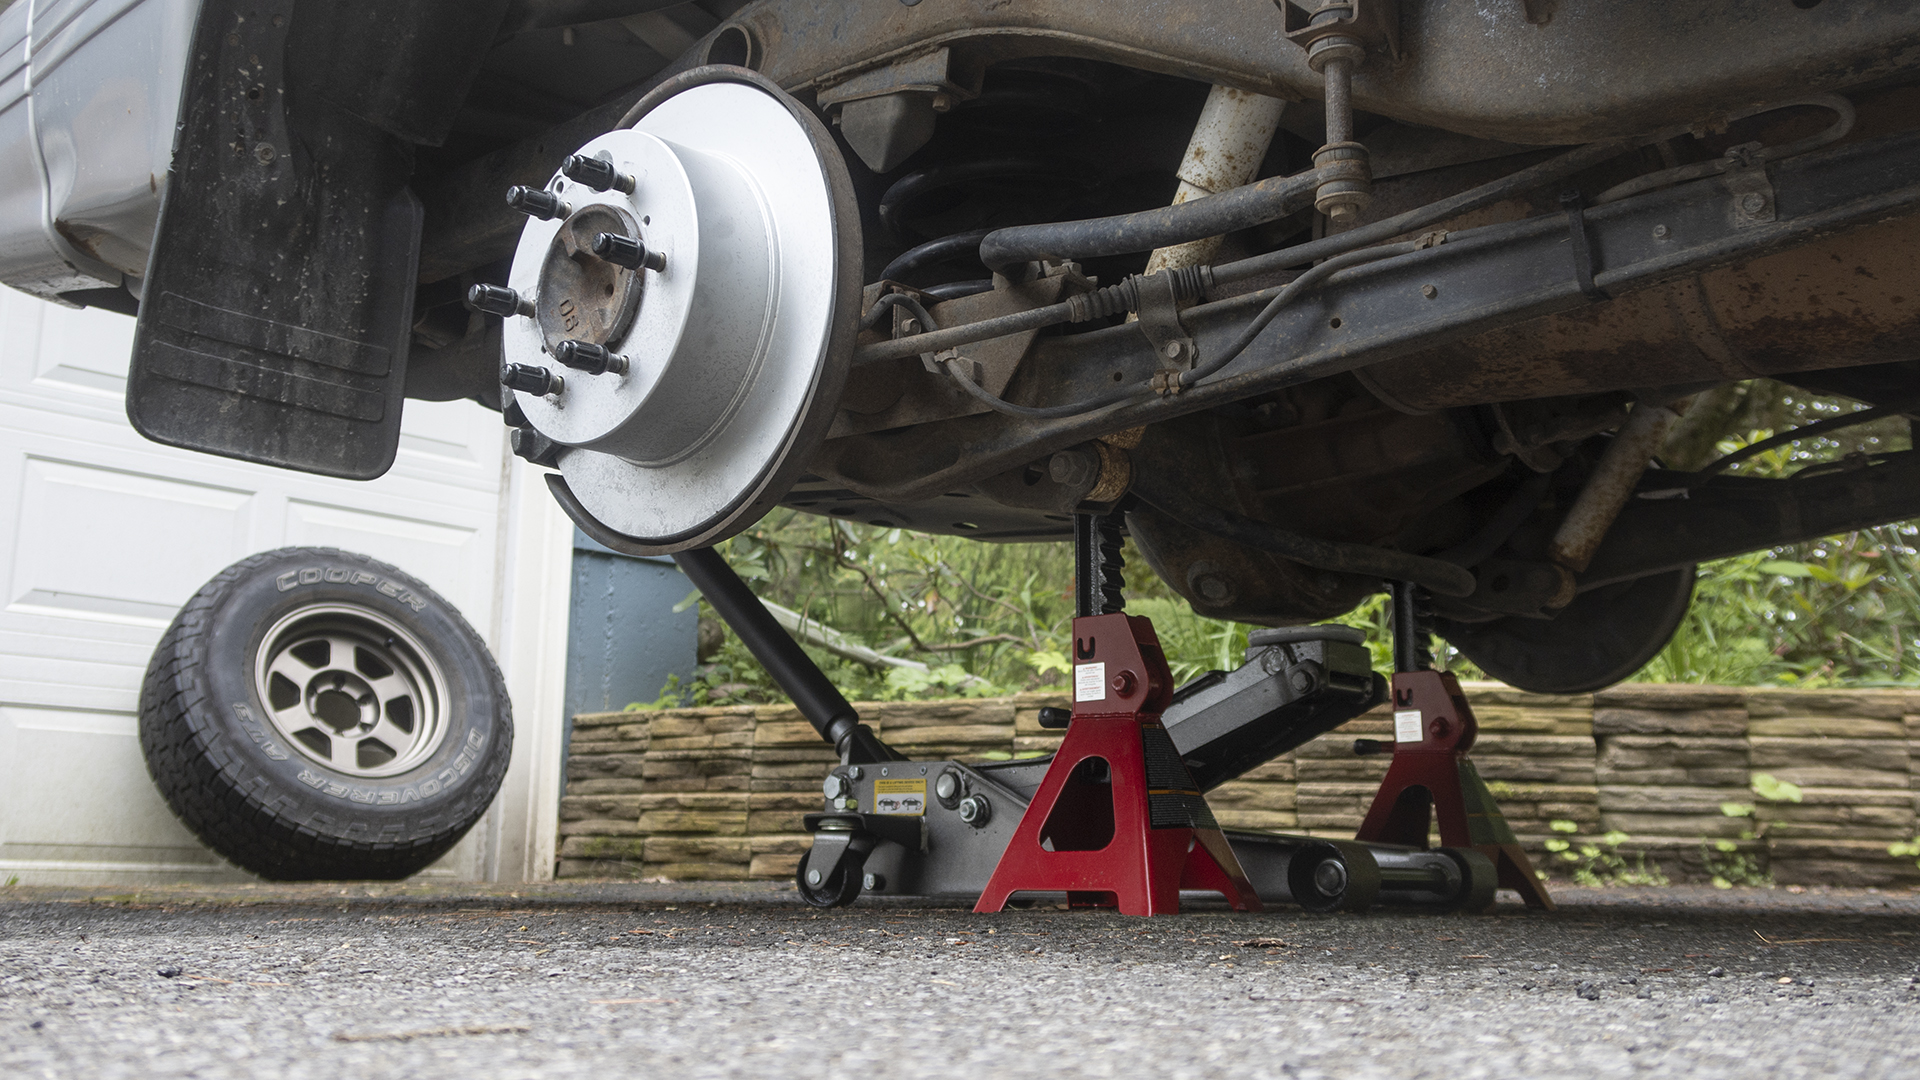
{"points": [[1433, 728], [1118, 820]]}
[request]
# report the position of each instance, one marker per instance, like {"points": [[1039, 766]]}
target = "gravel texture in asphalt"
{"points": [[742, 980]]}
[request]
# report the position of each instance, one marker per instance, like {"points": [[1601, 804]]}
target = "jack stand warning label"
{"points": [[908, 797], [1090, 682]]}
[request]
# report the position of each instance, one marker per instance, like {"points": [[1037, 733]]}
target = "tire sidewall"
{"points": [[436, 794]]}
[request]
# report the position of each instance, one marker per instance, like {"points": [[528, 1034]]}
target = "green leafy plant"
{"points": [[1765, 786], [1727, 864], [1599, 862], [1905, 850]]}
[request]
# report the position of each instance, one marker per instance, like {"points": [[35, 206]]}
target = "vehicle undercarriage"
{"points": [[1317, 297]]}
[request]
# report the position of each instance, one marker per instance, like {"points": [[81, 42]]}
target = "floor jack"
{"points": [[1118, 816]]}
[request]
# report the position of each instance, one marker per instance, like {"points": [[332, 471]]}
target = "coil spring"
{"points": [[902, 206]]}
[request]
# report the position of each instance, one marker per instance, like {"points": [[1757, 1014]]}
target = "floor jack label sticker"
{"points": [[1090, 682], [1406, 726], [908, 797]]}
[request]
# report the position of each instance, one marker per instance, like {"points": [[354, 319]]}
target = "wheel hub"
{"points": [[677, 295], [343, 701], [582, 296]]}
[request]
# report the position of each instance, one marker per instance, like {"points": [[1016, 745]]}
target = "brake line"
{"points": [[1287, 294]]}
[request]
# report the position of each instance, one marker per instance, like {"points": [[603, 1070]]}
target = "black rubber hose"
{"points": [[1164, 226], [959, 245], [1445, 579], [1546, 172], [954, 290], [1845, 420], [813, 694]]}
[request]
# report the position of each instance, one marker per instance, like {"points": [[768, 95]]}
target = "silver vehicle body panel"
{"points": [[87, 107]]}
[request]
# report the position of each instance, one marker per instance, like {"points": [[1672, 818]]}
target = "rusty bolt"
{"points": [[1429, 291]]}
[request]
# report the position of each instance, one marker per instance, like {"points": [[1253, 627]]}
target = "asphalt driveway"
{"points": [[614, 980]]}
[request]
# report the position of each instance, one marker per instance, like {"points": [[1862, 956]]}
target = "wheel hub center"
{"points": [[582, 296], [343, 701]]}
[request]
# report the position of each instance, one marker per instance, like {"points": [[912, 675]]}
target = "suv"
{"points": [[1311, 295]]}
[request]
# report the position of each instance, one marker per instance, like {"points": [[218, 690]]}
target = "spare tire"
{"points": [[313, 714]]}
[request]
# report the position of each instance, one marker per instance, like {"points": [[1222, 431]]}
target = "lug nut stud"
{"points": [[628, 252], [589, 357], [498, 300], [597, 173], [537, 202], [530, 379]]}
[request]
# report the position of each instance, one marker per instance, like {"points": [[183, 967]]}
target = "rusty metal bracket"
{"points": [[1752, 192], [1582, 247], [1375, 22], [937, 73], [1159, 309]]}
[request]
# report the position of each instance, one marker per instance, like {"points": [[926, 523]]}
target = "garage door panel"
{"points": [[80, 801], [455, 441], [113, 546], [85, 682], [63, 352], [448, 557], [84, 354]]}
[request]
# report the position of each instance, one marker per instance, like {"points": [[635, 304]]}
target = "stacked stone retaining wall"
{"points": [[718, 793]]}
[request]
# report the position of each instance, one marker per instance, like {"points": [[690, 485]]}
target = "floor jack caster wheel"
{"points": [[836, 888]]}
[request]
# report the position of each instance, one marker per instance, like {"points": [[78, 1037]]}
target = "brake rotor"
{"points": [[726, 308]]}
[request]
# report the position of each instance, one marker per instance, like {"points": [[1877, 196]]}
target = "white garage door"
{"points": [[103, 535]]}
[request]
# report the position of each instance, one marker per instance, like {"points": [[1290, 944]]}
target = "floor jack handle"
{"points": [[812, 692]]}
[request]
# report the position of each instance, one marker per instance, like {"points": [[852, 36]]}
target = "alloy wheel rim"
{"points": [[351, 690]]}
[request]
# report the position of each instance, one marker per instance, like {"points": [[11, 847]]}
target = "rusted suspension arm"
{"points": [[1480, 280], [1729, 515]]}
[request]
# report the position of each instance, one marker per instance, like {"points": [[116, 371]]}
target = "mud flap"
{"points": [[278, 306]]}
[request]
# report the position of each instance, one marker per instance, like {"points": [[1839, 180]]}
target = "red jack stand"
{"points": [[1433, 728], [1118, 816]]}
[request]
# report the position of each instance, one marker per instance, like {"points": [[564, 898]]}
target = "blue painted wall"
{"points": [[625, 638]]}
